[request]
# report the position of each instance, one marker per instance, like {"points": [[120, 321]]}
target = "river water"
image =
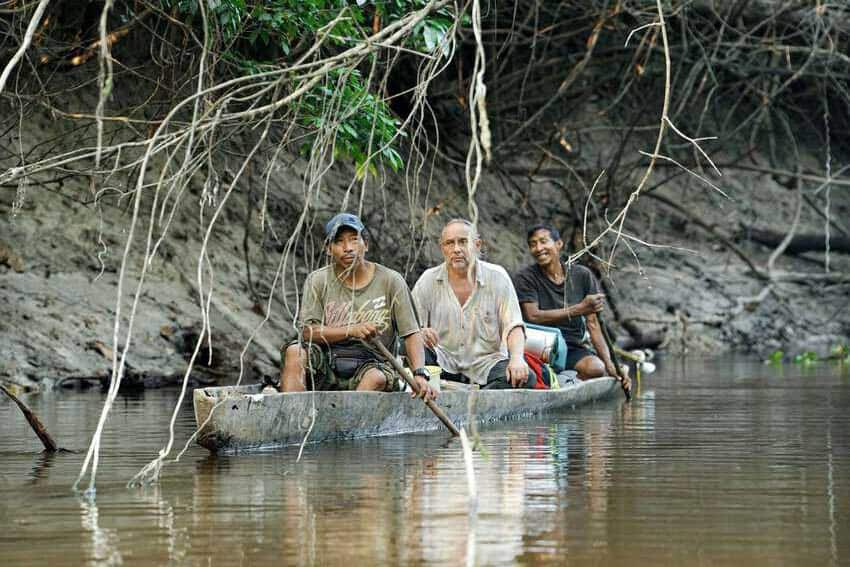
{"points": [[715, 462]]}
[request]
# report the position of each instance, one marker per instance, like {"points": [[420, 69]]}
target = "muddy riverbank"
{"points": [[683, 272]]}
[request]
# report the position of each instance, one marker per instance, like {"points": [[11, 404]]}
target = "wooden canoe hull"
{"points": [[240, 418]]}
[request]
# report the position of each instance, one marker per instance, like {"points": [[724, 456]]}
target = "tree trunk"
{"points": [[802, 242]]}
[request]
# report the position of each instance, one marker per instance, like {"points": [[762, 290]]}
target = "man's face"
{"points": [[543, 248], [347, 248], [458, 249]]}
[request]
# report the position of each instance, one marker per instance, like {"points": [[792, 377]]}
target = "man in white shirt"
{"points": [[470, 315]]}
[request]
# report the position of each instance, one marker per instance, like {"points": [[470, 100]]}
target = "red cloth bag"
{"points": [[536, 365]]}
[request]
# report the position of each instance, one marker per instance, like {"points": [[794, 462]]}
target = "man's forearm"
{"points": [[326, 335], [598, 341], [551, 316], [415, 349], [516, 343]]}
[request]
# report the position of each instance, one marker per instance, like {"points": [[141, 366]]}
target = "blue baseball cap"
{"points": [[341, 220]]}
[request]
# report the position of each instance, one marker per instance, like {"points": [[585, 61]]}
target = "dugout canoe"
{"points": [[241, 418]]}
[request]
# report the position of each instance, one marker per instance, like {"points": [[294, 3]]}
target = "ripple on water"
{"points": [[719, 462]]}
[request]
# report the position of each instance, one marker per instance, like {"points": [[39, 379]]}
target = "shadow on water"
{"points": [[41, 466], [45, 460], [213, 464]]}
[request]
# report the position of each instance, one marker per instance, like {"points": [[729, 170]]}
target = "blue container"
{"points": [[555, 348]]}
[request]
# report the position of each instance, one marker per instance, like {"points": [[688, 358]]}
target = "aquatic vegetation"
{"points": [[839, 352], [806, 358], [775, 357]]}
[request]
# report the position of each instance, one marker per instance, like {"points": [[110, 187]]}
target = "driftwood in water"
{"points": [[35, 423], [641, 340], [801, 242]]}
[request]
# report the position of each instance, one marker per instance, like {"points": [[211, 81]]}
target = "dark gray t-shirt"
{"points": [[532, 286]]}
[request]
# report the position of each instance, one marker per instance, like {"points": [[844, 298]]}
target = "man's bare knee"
{"points": [[292, 373], [373, 380], [590, 367], [294, 355]]}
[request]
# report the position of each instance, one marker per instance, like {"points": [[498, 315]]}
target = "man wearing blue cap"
{"points": [[345, 304]]}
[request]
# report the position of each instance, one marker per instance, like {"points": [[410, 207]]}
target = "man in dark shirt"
{"points": [[567, 297]]}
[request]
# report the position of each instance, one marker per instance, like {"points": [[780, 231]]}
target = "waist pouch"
{"points": [[346, 361]]}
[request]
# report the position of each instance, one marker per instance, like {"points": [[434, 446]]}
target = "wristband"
{"points": [[422, 371]]}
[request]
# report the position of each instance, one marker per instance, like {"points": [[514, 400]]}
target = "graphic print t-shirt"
{"points": [[385, 302]]}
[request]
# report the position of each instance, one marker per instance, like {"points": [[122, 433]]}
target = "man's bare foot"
{"points": [[269, 387], [624, 377]]}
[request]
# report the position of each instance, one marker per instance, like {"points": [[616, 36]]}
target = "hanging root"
{"points": [[150, 472], [27, 40]]}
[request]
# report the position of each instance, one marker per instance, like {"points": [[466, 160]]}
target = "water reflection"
{"points": [[713, 462], [103, 543], [405, 499], [833, 535], [41, 466]]}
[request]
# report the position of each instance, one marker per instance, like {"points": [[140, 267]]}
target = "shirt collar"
{"points": [[564, 265], [443, 272]]}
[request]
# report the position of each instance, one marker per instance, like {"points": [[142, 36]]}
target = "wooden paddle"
{"points": [[414, 386], [613, 354]]}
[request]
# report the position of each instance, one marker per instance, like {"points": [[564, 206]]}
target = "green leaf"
{"points": [[775, 357], [839, 351], [430, 36], [256, 36], [806, 358]]}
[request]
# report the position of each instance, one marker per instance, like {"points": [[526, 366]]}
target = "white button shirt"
{"points": [[473, 336]]}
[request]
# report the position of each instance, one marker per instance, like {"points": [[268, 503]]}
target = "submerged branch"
{"points": [[38, 428]]}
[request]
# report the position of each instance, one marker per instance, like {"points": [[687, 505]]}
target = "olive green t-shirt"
{"points": [[385, 301]]}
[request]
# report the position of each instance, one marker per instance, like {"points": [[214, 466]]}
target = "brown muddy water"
{"points": [[717, 462]]}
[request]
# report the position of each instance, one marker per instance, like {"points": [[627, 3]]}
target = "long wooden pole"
{"points": [[613, 354], [48, 442], [412, 383]]}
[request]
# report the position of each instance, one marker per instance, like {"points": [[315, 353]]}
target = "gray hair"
{"points": [[473, 236], [473, 230]]}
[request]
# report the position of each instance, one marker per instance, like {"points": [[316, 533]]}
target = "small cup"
{"points": [[434, 378]]}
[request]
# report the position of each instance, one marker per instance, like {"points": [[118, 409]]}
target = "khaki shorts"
{"points": [[320, 373]]}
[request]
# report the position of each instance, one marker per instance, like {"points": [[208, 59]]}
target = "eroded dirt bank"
{"points": [[683, 273]]}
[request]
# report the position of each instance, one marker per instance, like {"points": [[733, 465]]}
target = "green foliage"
{"points": [[840, 352], [363, 114], [261, 34], [775, 358], [806, 358]]}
